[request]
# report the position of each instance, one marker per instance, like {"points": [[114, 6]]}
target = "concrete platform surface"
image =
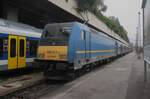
{"points": [[120, 79]]}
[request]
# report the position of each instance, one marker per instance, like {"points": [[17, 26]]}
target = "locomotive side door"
{"points": [[21, 52], [87, 46], [116, 48], [12, 52]]}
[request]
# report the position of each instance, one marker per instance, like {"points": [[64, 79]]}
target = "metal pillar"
{"points": [[145, 71]]}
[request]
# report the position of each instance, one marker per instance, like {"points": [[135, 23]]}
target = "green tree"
{"points": [[114, 24], [91, 5], [96, 7]]}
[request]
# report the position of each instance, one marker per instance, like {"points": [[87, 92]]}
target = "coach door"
{"points": [[12, 52], [21, 52], [16, 52]]}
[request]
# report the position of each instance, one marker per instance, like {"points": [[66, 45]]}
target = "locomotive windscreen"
{"points": [[56, 34]]}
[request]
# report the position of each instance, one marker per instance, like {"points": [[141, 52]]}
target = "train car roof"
{"points": [[18, 26], [13, 28]]}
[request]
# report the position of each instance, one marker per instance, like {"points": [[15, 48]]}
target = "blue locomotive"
{"points": [[66, 49]]}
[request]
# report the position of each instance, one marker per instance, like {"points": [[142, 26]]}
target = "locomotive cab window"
{"points": [[56, 35]]}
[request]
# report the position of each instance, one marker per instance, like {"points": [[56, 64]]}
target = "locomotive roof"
{"points": [[69, 24], [55, 26], [60, 24]]}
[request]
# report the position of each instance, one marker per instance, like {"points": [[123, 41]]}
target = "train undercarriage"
{"points": [[56, 70]]}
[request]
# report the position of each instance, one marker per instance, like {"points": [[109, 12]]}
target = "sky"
{"points": [[127, 12]]}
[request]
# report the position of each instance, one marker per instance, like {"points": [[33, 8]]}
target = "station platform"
{"points": [[120, 79]]}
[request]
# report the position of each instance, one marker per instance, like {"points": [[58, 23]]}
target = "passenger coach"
{"points": [[18, 44], [66, 49]]}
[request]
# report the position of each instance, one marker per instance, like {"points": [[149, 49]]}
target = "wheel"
{"points": [[72, 75]]}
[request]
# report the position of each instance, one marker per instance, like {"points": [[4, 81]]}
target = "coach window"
{"points": [[1, 48], [33, 47], [21, 52], [5, 45], [13, 48]]}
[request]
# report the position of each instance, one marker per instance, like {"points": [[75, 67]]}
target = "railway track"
{"points": [[16, 85], [35, 91], [32, 86], [32, 89]]}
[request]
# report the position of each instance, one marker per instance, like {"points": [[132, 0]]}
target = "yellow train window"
{"points": [[21, 52], [13, 48]]}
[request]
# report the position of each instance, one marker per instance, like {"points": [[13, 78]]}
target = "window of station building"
{"points": [[1, 48], [13, 48], [21, 52], [33, 47]]}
